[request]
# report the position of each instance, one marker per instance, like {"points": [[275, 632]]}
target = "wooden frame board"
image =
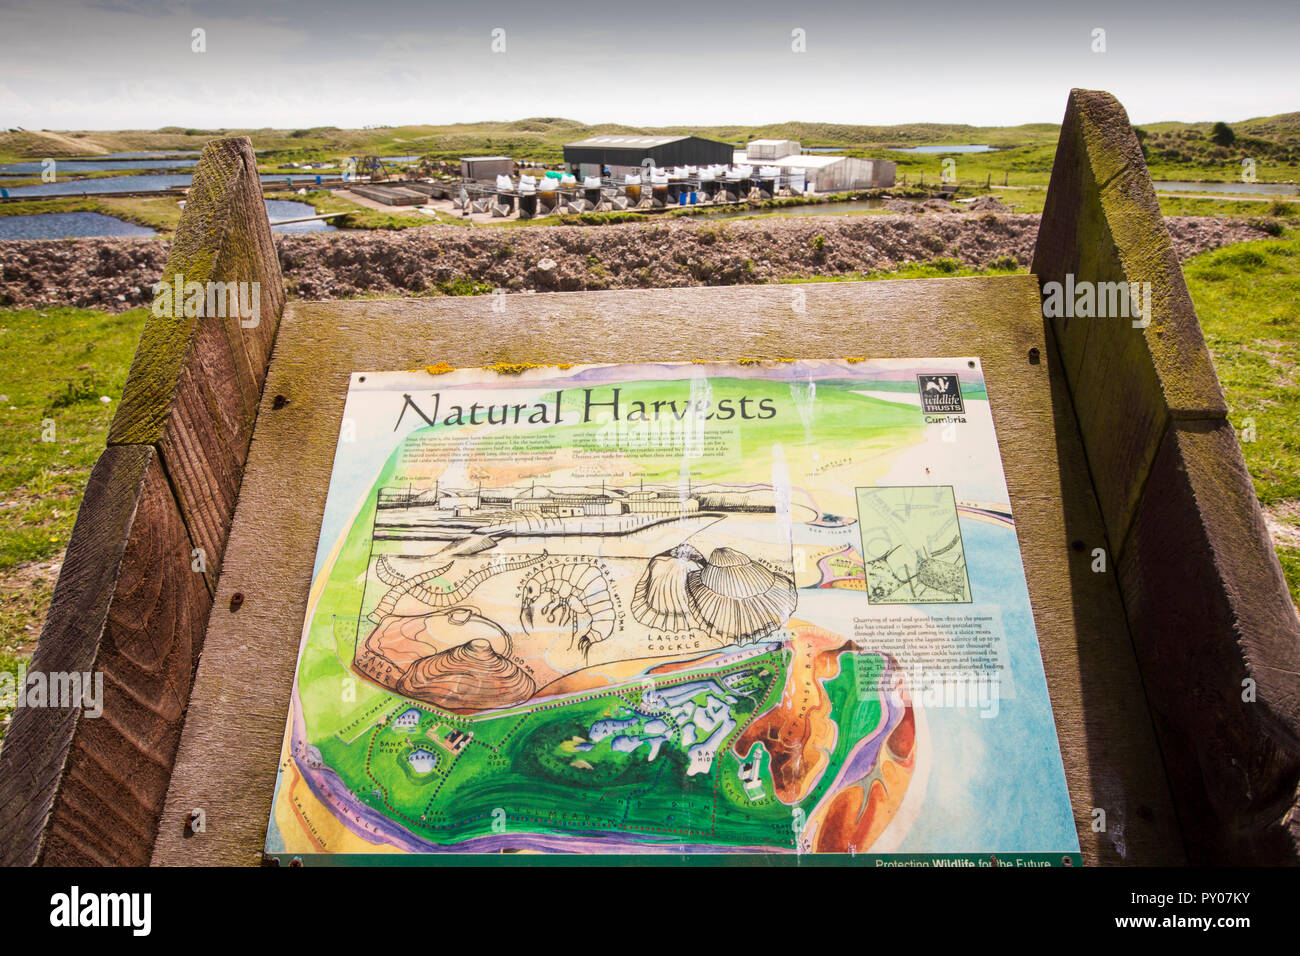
{"points": [[226, 764]]}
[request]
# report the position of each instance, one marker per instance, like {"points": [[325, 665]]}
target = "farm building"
{"points": [[625, 154], [485, 168], [824, 172]]}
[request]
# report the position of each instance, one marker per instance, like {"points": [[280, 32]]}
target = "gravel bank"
{"points": [[116, 273]]}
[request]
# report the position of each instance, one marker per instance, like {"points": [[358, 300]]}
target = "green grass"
{"points": [[940, 268], [57, 364], [36, 180], [1183, 206], [1246, 298]]}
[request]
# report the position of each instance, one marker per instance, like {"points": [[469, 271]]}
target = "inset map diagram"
{"points": [[912, 544]]}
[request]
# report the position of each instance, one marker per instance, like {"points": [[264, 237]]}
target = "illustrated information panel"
{"points": [[691, 609]]}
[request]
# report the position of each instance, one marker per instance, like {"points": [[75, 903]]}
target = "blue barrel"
{"points": [[317, 180], [682, 197], [695, 197]]}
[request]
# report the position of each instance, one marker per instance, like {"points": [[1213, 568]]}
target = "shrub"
{"points": [[1223, 135]]}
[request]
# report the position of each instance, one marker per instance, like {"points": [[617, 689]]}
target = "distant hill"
{"points": [[1274, 139]]}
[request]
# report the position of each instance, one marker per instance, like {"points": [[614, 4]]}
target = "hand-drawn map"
{"points": [[761, 608]]}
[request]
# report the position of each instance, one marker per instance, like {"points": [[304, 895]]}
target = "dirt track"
{"points": [[117, 274]]}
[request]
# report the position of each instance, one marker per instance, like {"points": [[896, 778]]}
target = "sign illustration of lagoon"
{"points": [[662, 609], [526, 586]]}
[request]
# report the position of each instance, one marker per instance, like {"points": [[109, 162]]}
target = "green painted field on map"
{"points": [[523, 771]]}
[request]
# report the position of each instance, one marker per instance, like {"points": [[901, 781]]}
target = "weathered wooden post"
{"points": [[1213, 625], [135, 590]]}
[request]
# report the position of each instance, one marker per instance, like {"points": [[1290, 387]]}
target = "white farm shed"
{"points": [[826, 172]]}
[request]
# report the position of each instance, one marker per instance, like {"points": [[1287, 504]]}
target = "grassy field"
{"points": [[1246, 298], [59, 362]]}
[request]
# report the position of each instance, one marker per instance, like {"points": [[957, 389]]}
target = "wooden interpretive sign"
{"points": [[672, 608]]}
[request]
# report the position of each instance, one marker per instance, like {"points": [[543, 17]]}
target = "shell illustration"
{"points": [[660, 600], [468, 677], [732, 596], [410, 596], [577, 595]]}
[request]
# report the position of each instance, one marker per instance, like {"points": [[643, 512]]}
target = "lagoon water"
{"points": [[964, 148], [78, 225], [1257, 189], [68, 225], [124, 184], [283, 209], [155, 154], [61, 166]]}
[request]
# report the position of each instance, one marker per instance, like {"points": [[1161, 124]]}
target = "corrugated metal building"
{"points": [[624, 154]]}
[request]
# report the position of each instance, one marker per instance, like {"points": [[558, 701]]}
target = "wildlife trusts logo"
{"points": [[940, 394]]}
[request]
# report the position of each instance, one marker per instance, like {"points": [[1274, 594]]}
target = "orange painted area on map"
{"points": [[842, 825], [798, 732]]}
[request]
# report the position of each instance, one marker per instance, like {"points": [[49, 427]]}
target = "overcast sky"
{"points": [[129, 63]]}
